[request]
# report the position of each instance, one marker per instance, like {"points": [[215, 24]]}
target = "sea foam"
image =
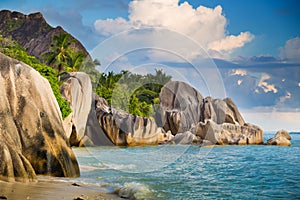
{"points": [[134, 191]]}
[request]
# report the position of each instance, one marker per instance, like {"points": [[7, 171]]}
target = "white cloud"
{"points": [[239, 82], [266, 86], [291, 50], [231, 42], [111, 26], [240, 72], [207, 26]]}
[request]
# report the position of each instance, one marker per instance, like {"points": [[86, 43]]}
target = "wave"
{"points": [[88, 168], [106, 166], [119, 166], [134, 191]]}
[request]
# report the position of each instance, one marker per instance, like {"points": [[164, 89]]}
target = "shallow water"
{"points": [[190, 172]]}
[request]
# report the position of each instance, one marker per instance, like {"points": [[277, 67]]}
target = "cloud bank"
{"points": [[291, 50], [207, 26]]}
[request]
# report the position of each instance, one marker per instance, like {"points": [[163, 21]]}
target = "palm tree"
{"points": [[75, 61], [59, 54]]}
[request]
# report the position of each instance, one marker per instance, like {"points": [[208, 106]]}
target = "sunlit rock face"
{"points": [[32, 138], [124, 129], [281, 138], [81, 126], [184, 110], [180, 107]]}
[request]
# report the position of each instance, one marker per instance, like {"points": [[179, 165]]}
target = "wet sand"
{"points": [[52, 190]]}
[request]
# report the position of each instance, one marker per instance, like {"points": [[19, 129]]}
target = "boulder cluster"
{"points": [[183, 117], [34, 139]]}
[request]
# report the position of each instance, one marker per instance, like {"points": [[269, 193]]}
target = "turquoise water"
{"points": [[191, 172]]}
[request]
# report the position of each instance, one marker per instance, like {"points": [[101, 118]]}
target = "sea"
{"points": [[193, 172]]}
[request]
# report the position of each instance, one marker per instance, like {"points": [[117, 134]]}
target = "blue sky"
{"points": [[261, 37], [271, 22]]}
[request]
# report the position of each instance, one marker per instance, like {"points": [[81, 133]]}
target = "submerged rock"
{"points": [[32, 138], [281, 138], [134, 191]]}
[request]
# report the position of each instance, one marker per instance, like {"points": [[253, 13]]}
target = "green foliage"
{"points": [[64, 58], [14, 50], [12, 24], [134, 93], [59, 55]]}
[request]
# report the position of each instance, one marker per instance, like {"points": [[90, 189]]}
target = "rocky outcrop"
{"points": [[124, 129], [283, 133], [82, 127], [32, 32], [220, 111], [184, 117], [32, 138], [93, 131], [228, 133], [282, 138], [77, 90], [183, 110], [179, 107], [163, 136]]}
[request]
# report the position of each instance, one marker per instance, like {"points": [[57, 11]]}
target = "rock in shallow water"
{"points": [[183, 109], [32, 138], [228, 133], [281, 138], [186, 138]]}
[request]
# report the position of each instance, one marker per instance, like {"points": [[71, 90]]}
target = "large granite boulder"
{"points": [[164, 137], [283, 133], [228, 133], [233, 114], [281, 138], [124, 129], [220, 111], [179, 107], [82, 127], [184, 111], [93, 130], [186, 138], [77, 89], [32, 138]]}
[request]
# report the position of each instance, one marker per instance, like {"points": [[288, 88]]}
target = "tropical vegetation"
{"points": [[136, 94], [14, 50]]}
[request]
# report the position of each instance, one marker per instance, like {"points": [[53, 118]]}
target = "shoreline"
{"points": [[50, 189]]}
